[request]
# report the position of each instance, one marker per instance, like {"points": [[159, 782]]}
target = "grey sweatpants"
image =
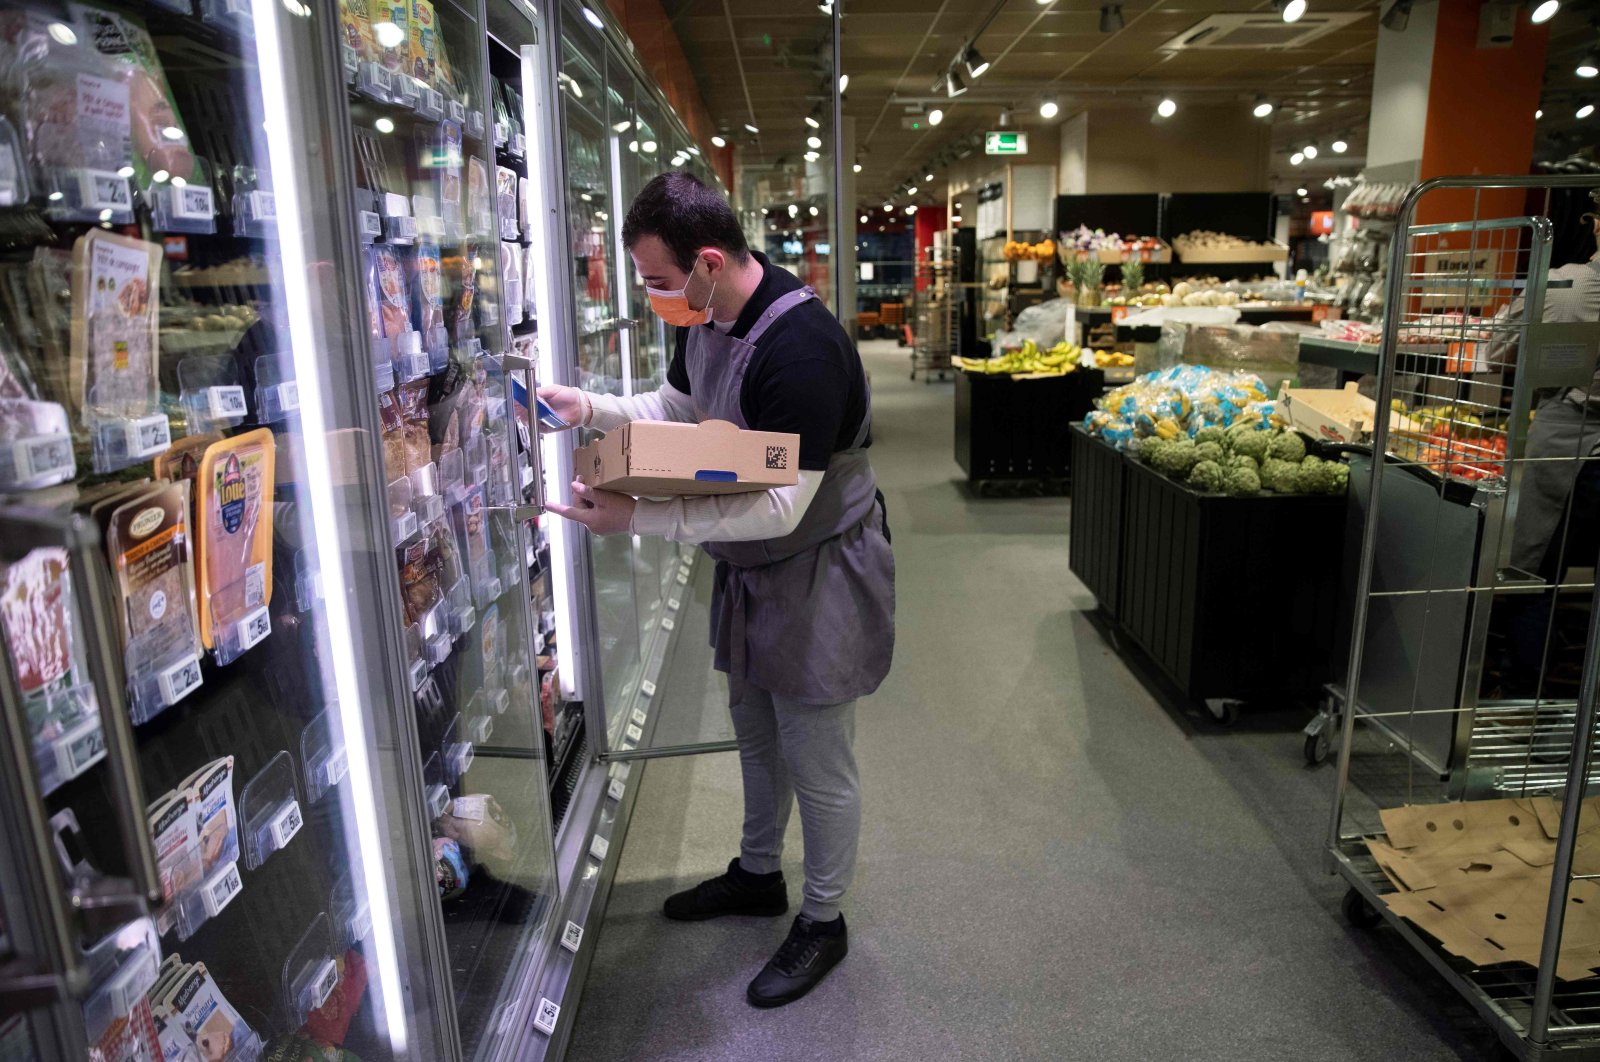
{"points": [[789, 750]]}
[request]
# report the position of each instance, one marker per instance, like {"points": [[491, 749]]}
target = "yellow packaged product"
{"points": [[233, 514], [424, 37]]}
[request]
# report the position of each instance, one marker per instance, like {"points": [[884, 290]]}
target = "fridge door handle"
{"points": [[116, 725], [516, 363]]}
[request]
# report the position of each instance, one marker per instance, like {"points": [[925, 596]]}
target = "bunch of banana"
{"points": [[1058, 361], [1106, 359]]}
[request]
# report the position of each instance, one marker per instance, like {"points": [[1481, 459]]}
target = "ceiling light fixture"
{"points": [[1397, 17], [844, 83], [812, 121], [856, 168], [815, 211], [1263, 107], [974, 61], [1296, 159], [1538, 114], [718, 141], [1167, 107], [633, 145], [1048, 109], [812, 156], [911, 190], [935, 116], [1586, 110], [1111, 18], [794, 210], [813, 142], [953, 84], [1300, 191], [1289, 10], [862, 219], [1543, 10], [752, 130], [1340, 146], [912, 209], [1309, 151], [649, 147], [384, 125], [593, 19], [1589, 65], [622, 126]]}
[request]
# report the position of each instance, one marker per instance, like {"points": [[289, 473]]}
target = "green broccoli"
{"points": [[1240, 481], [1209, 434], [1278, 475], [1250, 443], [1244, 461], [1210, 451], [1175, 459], [1288, 446], [1206, 476]]}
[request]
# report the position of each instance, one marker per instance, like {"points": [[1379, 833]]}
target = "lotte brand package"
{"points": [[233, 513], [662, 458]]}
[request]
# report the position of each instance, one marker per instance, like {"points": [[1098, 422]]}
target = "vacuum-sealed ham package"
{"points": [[233, 512]]}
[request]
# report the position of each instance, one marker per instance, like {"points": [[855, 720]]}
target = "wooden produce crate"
{"points": [[1231, 597]]}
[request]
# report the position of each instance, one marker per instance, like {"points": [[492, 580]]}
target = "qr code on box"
{"points": [[777, 457]]}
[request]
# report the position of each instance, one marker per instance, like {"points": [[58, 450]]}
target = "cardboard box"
{"points": [[660, 458], [1341, 416]]}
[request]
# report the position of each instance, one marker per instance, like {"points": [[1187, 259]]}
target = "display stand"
{"points": [[1015, 431]]}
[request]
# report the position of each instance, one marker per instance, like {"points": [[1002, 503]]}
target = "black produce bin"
{"points": [[1094, 546], [1010, 429], [1231, 597]]}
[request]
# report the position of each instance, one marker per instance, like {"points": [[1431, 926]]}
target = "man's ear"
{"points": [[715, 259]]}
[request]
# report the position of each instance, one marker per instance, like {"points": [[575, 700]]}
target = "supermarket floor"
{"points": [[1055, 864]]}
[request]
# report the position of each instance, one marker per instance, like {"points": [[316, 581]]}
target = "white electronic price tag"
{"points": [[104, 190], [572, 936], [179, 680], [147, 436], [263, 207], [39, 457], [254, 627], [220, 889], [192, 202], [408, 91], [598, 849], [401, 229], [285, 824], [360, 923], [674, 604], [405, 526], [352, 62], [457, 112], [616, 789], [481, 730], [371, 225], [461, 757], [322, 985], [502, 133], [285, 397], [545, 1017], [80, 748], [432, 102], [519, 144], [133, 979], [683, 578], [634, 733], [668, 623], [647, 688], [336, 767], [225, 403], [419, 672], [438, 799], [376, 81], [475, 124], [499, 701], [639, 716]]}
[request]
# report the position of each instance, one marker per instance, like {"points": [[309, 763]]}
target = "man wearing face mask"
{"points": [[803, 607]]}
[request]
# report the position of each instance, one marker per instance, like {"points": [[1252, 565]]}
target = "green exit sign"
{"points": [[1002, 142]]}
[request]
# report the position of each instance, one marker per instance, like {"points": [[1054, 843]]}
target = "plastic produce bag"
{"points": [[1045, 324]]}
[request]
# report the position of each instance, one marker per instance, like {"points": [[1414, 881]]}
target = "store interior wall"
{"points": [[1072, 174], [1400, 78], [1203, 149], [659, 51], [978, 169]]}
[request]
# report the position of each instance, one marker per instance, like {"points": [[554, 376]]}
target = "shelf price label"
{"points": [[598, 849], [135, 977], [371, 225], [263, 207], [326, 980], [254, 627], [39, 457], [668, 623], [545, 1017], [616, 789], [104, 190], [147, 436], [647, 688], [226, 403], [639, 716], [285, 824], [634, 734], [572, 937], [179, 680], [336, 768], [193, 202], [220, 889], [80, 748]]}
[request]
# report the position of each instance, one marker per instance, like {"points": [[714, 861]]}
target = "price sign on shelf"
{"points": [[39, 457], [616, 789], [219, 891], [193, 202], [545, 1017], [572, 936], [285, 824], [225, 403], [179, 680], [254, 627]]}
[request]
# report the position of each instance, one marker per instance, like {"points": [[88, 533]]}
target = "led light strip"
{"points": [[620, 273], [282, 146], [554, 449]]}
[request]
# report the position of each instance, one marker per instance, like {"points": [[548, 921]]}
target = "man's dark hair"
{"points": [[686, 216]]}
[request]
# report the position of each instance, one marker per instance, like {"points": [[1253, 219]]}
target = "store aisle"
{"points": [[1054, 864]]}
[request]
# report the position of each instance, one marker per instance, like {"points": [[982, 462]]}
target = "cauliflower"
{"points": [[1239, 480], [1210, 434], [1250, 443], [1288, 446], [1206, 476], [1210, 451], [1279, 476], [1175, 459]]}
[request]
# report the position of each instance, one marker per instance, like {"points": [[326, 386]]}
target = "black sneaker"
{"points": [[729, 894], [803, 960]]}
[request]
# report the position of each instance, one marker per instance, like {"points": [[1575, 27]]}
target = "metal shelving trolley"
{"points": [[936, 307], [1464, 813]]}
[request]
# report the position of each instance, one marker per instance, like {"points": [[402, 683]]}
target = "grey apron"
{"points": [[809, 616], [1561, 429]]}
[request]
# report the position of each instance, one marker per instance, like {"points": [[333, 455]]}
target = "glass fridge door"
{"points": [[196, 592], [441, 149]]}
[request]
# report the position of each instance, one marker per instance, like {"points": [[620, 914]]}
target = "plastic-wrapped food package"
{"points": [[1045, 324], [115, 295], [235, 536], [160, 143], [1179, 401]]}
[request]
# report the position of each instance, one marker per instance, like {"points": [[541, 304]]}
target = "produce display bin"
{"points": [[1094, 547], [1017, 429], [1230, 597]]}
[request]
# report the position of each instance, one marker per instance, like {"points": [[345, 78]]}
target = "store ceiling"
{"points": [[768, 63]]}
